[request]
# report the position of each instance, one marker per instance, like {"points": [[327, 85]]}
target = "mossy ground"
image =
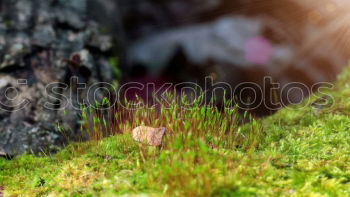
{"points": [[299, 152]]}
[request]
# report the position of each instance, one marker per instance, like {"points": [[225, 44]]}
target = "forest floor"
{"points": [[299, 151]]}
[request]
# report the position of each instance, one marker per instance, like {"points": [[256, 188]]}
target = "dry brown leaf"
{"points": [[149, 135]]}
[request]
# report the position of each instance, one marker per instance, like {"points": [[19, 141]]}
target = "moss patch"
{"points": [[302, 152]]}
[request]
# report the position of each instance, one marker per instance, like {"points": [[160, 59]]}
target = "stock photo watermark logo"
{"points": [[57, 98]]}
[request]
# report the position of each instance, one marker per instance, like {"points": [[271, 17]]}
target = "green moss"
{"points": [[302, 152]]}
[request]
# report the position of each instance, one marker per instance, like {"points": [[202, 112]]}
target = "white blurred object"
{"points": [[222, 41]]}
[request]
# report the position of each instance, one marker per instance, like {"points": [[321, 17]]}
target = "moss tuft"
{"points": [[297, 152]]}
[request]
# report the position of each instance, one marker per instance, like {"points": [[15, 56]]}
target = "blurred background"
{"points": [[232, 41]]}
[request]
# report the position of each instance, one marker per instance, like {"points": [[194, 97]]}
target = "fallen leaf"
{"points": [[148, 135]]}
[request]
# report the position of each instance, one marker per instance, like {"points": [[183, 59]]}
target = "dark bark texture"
{"points": [[44, 44]]}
